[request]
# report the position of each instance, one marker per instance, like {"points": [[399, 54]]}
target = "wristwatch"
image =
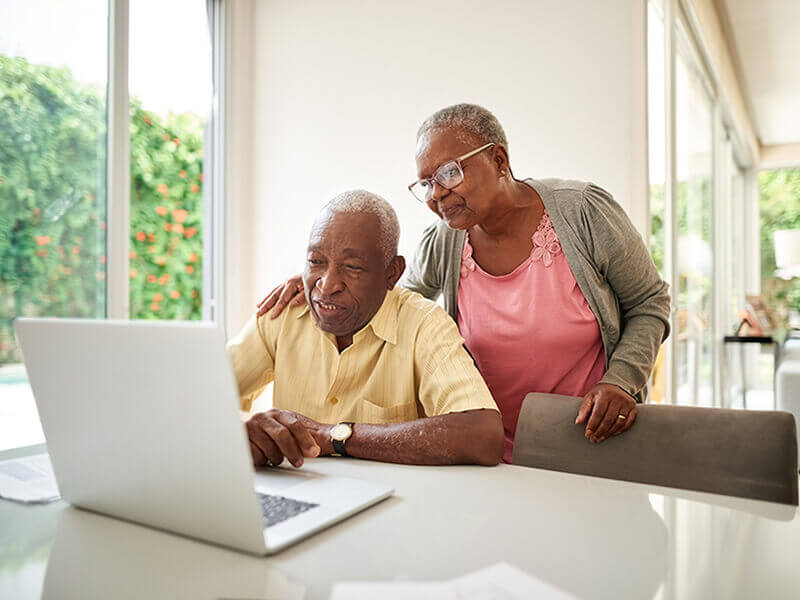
{"points": [[339, 435]]}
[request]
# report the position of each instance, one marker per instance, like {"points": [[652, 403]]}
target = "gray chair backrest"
{"points": [[751, 454]]}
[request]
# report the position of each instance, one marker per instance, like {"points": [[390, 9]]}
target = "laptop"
{"points": [[142, 423]]}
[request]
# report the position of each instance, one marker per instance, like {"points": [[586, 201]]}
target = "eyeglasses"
{"points": [[449, 176]]}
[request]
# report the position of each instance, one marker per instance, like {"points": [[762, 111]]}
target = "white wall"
{"points": [[340, 87]]}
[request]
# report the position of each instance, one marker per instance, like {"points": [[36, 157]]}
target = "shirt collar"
{"points": [[383, 323]]}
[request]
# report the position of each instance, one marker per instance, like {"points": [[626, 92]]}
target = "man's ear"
{"points": [[396, 269]]}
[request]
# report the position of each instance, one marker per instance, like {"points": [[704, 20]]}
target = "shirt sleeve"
{"points": [[421, 276], [622, 258], [252, 354], [446, 376]]}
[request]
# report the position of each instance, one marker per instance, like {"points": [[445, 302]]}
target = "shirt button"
{"points": [[334, 400]]}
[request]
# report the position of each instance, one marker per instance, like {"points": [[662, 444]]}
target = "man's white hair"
{"points": [[472, 118], [362, 201]]}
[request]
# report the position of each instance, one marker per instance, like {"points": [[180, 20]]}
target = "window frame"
{"points": [[118, 168], [683, 34]]}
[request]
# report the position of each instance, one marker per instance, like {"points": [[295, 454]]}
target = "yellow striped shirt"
{"points": [[407, 362]]}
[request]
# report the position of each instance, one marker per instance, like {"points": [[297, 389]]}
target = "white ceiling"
{"points": [[766, 36]]}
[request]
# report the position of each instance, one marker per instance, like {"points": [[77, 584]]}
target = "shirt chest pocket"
{"points": [[370, 411]]}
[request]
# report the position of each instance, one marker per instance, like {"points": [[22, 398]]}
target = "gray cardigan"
{"points": [[609, 260]]}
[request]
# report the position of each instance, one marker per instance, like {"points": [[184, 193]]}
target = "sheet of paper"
{"points": [[29, 479], [394, 590], [498, 582], [505, 582]]}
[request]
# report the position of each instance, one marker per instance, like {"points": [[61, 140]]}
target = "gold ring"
{"points": [[623, 417]]}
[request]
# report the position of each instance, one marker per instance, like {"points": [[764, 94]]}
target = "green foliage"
{"points": [[52, 203], [780, 209], [166, 216]]}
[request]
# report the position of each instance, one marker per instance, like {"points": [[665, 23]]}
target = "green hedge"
{"points": [[52, 203]]}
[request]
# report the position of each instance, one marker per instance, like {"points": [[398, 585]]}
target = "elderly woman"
{"points": [[551, 286]]}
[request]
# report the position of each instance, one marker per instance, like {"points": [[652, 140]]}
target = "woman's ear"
{"points": [[500, 160], [395, 271]]}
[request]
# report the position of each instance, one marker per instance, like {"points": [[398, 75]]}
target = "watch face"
{"points": [[341, 432]]}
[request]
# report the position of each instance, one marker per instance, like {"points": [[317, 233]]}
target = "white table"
{"points": [[596, 538]]}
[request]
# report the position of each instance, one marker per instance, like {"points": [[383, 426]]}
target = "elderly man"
{"points": [[365, 369]]}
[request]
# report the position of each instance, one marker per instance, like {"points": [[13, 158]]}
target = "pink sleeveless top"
{"points": [[530, 330]]}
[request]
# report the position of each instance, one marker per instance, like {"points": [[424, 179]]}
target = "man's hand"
{"points": [[612, 412], [289, 294], [278, 434]]}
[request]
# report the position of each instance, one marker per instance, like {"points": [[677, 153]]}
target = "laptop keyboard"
{"points": [[276, 509]]}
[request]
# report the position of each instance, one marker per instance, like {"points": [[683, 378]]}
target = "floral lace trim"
{"points": [[545, 247], [545, 242]]}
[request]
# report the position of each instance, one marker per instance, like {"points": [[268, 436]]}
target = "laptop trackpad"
{"points": [[273, 480]]}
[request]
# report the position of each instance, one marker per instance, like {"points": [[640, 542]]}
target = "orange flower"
{"points": [[151, 278], [154, 306], [102, 259], [41, 253], [180, 215], [177, 228], [195, 188], [189, 269], [163, 279], [160, 261], [133, 254], [166, 137], [174, 294], [67, 271], [79, 240], [147, 120], [162, 189], [4, 346], [189, 232], [194, 293], [182, 174], [161, 210], [200, 177], [157, 298], [193, 257], [177, 141], [167, 226], [151, 249], [141, 236], [103, 225], [75, 249], [151, 237], [134, 273], [43, 240]]}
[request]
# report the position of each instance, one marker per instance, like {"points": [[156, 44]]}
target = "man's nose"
{"points": [[330, 282], [437, 191]]}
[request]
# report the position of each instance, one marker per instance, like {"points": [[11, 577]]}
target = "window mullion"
{"points": [[118, 176]]}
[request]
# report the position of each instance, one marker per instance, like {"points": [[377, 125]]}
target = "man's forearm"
{"points": [[470, 437]]}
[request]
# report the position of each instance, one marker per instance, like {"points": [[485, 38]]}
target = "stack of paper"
{"points": [[499, 582], [29, 479]]}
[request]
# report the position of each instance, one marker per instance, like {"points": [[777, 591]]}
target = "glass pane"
{"points": [[693, 138], [171, 92], [52, 180], [656, 163], [656, 126]]}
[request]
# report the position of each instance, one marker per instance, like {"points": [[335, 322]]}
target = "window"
{"points": [[55, 150], [697, 205], [170, 103], [694, 255], [52, 181]]}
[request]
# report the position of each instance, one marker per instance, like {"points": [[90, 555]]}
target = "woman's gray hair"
{"points": [[362, 201], [470, 117]]}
